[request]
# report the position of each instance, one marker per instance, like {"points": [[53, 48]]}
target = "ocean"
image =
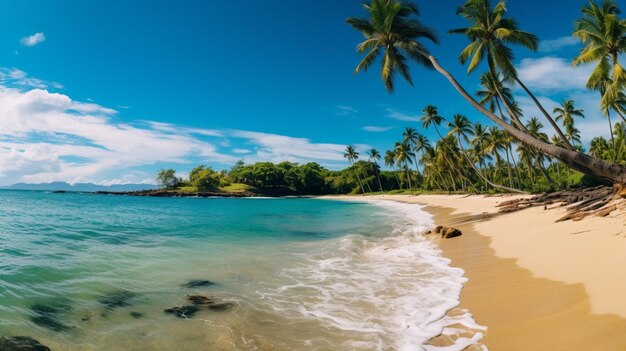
{"points": [[96, 272]]}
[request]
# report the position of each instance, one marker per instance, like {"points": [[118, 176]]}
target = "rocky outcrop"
{"points": [[198, 283], [450, 232], [21, 343]]}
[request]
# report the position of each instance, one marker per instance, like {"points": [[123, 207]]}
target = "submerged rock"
{"points": [[450, 232], [136, 315], [200, 300], [198, 283], [116, 299], [222, 306], [182, 312], [47, 316], [21, 343]]}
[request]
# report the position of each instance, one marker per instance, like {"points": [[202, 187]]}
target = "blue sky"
{"points": [[112, 91]]}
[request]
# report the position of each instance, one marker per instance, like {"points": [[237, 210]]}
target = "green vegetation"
{"points": [[393, 33], [515, 153]]}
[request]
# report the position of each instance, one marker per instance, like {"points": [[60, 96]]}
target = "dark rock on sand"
{"points": [[47, 316], [21, 343], [136, 315], [222, 306], [182, 312], [438, 229], [116, 299], [450, 232], [198, 283], [200, 300]]}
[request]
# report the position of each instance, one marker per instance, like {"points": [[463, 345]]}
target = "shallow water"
{"points": [[305, 274]]}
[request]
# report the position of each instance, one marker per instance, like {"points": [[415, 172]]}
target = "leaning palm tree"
{"points": [[567, 112], [462, 127], [410, 136], [403, 156], [392, 31], [604, 37], [352, 155], [390, 161], [489, 33], [374, 157]]}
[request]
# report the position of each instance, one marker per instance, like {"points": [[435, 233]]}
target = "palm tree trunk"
{"points": [[358, 179], [608, 115], [620, 114], [408, 175], [545, 113], [584, 163], [380, 185], [508, 166]]}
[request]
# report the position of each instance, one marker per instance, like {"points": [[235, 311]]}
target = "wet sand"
{"points": [[536, 284]]}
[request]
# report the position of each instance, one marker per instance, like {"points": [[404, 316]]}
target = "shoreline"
{"points": [[535, 284]]}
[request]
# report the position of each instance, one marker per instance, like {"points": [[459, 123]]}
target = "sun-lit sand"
{"points": [[536, 284]]}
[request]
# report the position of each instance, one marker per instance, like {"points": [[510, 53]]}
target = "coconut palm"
{"points": [[489, 33], [352, 155], [403, 156], [410, 136], [392, 28], [390, 161], [490, 96], [374, 157], [604, 36], [567, 112]]}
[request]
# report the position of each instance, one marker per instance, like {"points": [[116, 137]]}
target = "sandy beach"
{"points": [[535, 284]]}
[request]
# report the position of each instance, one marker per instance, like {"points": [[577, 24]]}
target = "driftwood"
{"points": [[580, 202]]}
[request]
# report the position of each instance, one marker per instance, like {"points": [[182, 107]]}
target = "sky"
{"points": [[112, 91]]}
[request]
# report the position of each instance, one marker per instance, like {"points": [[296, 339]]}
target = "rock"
{"points": [[198, 283], [438, 229], [21, 343], [136, 315], [47, 316], [222, 306], [449, 232], [200, 300], [182, 312], [116, 299]]}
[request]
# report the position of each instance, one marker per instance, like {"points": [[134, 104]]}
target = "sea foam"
{"points": [[381, 293]]}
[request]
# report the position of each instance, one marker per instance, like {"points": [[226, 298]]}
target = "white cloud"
{"points": [[33, 40], [16, 77], [376, 129], [553, 74], [345, 110], [47, 136], [241, 151], [277, 148], [401, 116], [558, 43]]}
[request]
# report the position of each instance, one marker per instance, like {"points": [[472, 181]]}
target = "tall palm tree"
{"points": [[566, 112], [489, 35], [392, 28], [604, 36], [390, 161], [352, 155], [493, 89], [374, 157], [403, 156], [410, 136]]}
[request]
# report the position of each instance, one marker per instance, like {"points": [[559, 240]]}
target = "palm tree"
{"points": [[489, 34], [390, 161], [604, 37], [352, 155], [374, 157], [410, 136], [392, 28], [598, 146], [403, 156], [490, 96], [567, 112]]}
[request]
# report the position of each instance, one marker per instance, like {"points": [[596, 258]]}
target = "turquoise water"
{"points": [[302, 273]]}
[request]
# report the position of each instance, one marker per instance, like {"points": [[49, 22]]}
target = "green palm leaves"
{"points": [[391, 33], [604, 35], [489, 36]]}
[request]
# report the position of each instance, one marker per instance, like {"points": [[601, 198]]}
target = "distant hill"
{"points": [[87, 187]]}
